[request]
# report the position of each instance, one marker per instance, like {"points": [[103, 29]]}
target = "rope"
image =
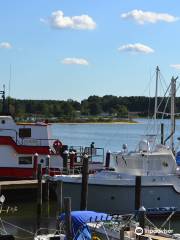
{"points": [[15, 226], [170, 216]]}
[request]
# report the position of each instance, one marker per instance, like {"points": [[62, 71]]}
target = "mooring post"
{"points": [[72, 159], [35, 165], [122, 233], [138, 192], [84, 186], [59, 194], [108, 156], [47, 184], [65, 161], [162, 133], [39, 196], [67, 209], [142, 214]]}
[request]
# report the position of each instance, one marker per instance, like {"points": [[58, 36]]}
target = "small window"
{"points": [[25, 132], [3, 121], [25, 160]]}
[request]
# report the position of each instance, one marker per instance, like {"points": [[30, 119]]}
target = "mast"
{"points": [[173, 96], [156, 92]]}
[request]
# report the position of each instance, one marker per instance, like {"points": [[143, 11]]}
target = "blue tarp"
{"points": [[79, 220]]}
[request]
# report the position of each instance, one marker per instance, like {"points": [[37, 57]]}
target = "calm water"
{"points": [[109, 136]]}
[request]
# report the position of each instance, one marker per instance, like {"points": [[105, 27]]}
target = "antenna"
{"points": [[10, 78]]}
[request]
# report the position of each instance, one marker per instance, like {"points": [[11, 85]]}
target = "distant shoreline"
{"points": [[103, 122]]}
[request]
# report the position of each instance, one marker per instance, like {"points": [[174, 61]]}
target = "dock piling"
{"points": [[141, 214], [84, 186], [67, 208], [35, 165], [47, 185], [39, 196], [65, 161], [59, 193], [138, 193], [162, 133], [108, 156]]}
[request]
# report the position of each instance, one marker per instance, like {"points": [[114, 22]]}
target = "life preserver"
{"points": [[57, 145]]}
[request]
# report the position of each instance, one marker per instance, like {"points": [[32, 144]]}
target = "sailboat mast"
{"points": [[156, 92], [173, 96]]}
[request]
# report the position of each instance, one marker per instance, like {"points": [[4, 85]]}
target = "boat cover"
{"points": [[79, 219]]}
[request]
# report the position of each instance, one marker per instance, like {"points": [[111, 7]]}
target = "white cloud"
{"points": [[176, 66], [136, 48], [5, 45], [82, 22], [77, 61], [152, 17]]}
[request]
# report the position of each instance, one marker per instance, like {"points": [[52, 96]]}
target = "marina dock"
{"points": [[20, 184]]}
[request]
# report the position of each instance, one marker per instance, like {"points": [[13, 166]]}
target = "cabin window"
{"points": [[3, 121], [25, 160], [25, 132]]}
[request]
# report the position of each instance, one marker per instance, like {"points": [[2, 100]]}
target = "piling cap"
{"points": [[142, 209], [86, 156], [36, 154], [48, 156], [108, 151], [65, 152], [71, 152]]}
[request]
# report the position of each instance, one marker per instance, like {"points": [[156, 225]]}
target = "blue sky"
{"points": [[62, 49]]}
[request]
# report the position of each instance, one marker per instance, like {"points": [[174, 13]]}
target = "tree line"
{"points": [[107, 105]]}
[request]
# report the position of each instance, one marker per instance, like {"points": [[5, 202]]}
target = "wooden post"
{"points": [[162, 133], [122, 233], [35, 165], [84, 186], [59, 194], [72, 159], [39, 196], [138, 193], [47, 185], [67, 209], [65, 161], [142, 213], [108, 156]]}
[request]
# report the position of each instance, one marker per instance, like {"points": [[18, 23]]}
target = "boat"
{"points": [[24, 145], [114, 191], [19, 142], [97, 226]]}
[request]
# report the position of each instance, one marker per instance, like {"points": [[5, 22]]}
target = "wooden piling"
{"points": [[84, 186], [138, 192], [47, 186], [122, 233], [142, 214], [72, 159], [108, 156], [35, 165], [67, 209], [59, 194], [65, 162], [39, 196], [162, 133]]}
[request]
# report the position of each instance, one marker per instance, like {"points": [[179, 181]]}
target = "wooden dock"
{"points": [[18, 184]]}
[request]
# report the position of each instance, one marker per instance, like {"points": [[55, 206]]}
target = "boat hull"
{"points": [[121, 199]]}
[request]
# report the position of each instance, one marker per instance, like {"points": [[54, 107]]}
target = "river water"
{"points": [[110, 137]]}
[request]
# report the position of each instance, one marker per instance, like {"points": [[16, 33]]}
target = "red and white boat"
{"points": [[24, 145], [19, 142]]}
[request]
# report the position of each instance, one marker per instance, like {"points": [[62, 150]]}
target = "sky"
{"points": [[71, 49]]}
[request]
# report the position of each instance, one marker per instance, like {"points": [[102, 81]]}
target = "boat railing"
{"points": [[95, 154]]}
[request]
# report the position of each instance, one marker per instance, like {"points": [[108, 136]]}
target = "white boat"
{"points": [[115, 191]]}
